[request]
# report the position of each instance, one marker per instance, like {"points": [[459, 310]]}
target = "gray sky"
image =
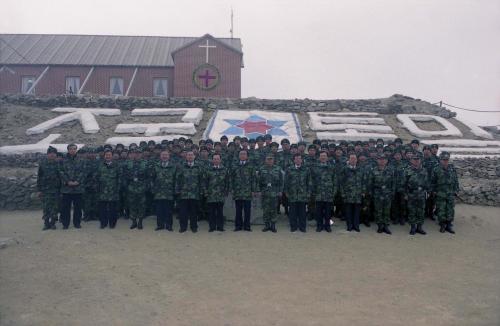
{"points": [[430, 49]]}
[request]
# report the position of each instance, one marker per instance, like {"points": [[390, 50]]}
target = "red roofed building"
{"points": [[147, 66]]}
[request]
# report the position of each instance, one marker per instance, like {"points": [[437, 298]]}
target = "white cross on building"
{"points": [[206, 46]]}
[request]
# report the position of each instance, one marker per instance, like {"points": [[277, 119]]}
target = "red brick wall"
{"points": [[143, 83], [227, 62], [11, 83]]}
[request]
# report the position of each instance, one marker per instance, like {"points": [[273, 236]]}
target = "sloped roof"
{"points": [[96, 50]]}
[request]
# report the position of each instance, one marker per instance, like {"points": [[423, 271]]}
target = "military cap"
{"points": [[106, 150], [380, 146], [444, 156], [380, 140], [285, 141], [202, 142], [217, 143], [244, 139], [237, 138], [252, 141], [71, 145], [108, 146], [274, 144], [203, 148], [164, 141], [294, 146], [209, 141], [343, 143], [436, 146], [387, 149], [303, 143], [182, 139], [415, 141], [151, 142], [51, 150], [143, 144], [316, 142], [260, 138], [311, 147], [332, 145], [358, 143], [268, 136], [188, 141], [324, 146], [426, 147], [398, 141], [119, 146], [223, 137]]}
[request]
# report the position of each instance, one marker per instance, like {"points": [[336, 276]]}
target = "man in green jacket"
{"points": [[298, 190], [72, 174], [216, 188], [49, 185], [163, 174], [107, 177], [135, 175], [270, 185], [382, 186], [324, 188], [243, 183]]}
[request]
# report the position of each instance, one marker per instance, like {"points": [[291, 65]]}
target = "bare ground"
{"points": [[123, 277]]}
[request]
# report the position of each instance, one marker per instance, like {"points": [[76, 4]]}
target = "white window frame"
{"points": [[111, 83], [155, 86], [69, 83], [24, 81]]}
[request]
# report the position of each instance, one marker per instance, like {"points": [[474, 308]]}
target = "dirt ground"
{"points": [[123, 277]]}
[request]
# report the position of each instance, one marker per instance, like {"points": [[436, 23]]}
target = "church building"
{"points": [[150, 66]]}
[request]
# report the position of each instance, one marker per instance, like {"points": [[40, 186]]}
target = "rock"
{"points": [[6, 242]]}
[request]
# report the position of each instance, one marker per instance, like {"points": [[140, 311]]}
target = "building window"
{"points": [[72, 85], [116, 86], [26, 83], [160, 87]]}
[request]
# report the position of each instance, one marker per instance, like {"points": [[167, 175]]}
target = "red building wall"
{"points": [[227, 61]]}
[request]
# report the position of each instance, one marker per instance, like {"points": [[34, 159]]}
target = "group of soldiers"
{"points": [[358, 182]]}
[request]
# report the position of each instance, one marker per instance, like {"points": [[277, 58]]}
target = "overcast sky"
{"points": [[434, 49]]}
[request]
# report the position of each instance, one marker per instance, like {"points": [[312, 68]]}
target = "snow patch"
{"points": [[476, 130], [40, 147], [155, 129], [408, 121], [353, 135], [126, 141], [193, 115]]}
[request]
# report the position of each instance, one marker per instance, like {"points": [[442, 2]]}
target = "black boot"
{"points": [[386, 229], [449, 228], [267, 227], [319, 227], [328, 228], [442, 229], [420, 230], [413, 229], [134, 224], [52, 224], [273, 228], [46, 225], [380, 228], [139, 225]]}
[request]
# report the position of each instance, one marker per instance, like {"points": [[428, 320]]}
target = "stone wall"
{"points": [[391, 105]]}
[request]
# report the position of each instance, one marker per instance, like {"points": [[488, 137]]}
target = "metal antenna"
{"points": [[231, 30]]}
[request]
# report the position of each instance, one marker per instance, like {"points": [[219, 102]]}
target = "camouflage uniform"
{"points": [[324, 187], [270, 182], [49, 184], [382, 188], [162, 176], [72, 169], [416, 184], [398, 206], [107, 178], [216, 188], [189, 183], [90, 200], [298, 189], [135, 178], [445, 185], [243, 182], [352, 191]]}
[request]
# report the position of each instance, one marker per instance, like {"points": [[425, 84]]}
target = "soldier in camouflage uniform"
{"points": [[216, 188], [298, 189], [416, 184], [284, 160], [107, 178], [324, 185], [163, 175], [49, 185], [429, 163], [135, 178], [444, 183], [90, 200], [382, 186], [72, 174], [270, 185], [189, 186], [243, 185], [353, 191]]}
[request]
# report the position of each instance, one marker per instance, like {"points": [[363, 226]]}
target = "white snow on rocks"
{"points": [[356, 126], [408, 121], [462, 142], [155, 129], [476, 130], [126, 141], [85, 116], [40, 147], [193, 115]]}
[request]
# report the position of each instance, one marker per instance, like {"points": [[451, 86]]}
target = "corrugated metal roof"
{"points": [[96, 50]]}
